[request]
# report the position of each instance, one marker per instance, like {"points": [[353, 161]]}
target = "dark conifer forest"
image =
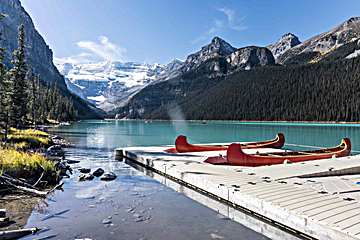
{"points": [[325, 91], [25, 98]]}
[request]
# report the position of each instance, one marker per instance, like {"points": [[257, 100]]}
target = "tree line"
{"points": [[325, 91], [24, 98], [314, 92]]}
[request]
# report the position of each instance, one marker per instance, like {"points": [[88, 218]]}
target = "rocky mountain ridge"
{"points": [[39, 56], [286, 42], [317, 47]]}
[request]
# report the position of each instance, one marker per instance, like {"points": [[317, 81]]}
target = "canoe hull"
{"points": [[235, 156], [183, 146]]}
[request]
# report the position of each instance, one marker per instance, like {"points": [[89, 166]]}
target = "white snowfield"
{"points": [[107, 84]]}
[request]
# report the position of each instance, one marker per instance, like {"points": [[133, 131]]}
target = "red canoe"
{"points": [[182, 145], [235, 156]]}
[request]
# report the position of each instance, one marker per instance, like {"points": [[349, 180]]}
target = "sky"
{"points": [[158, 31]]}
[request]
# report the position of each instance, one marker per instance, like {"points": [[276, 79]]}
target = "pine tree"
{"points": [[18, 75], [5, 96], [34, 106]]}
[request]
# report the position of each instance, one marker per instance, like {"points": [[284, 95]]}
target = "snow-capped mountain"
{"points": [[286, 42], [111, 84], [317, 47]]}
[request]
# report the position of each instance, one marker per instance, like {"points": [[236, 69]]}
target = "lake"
{"points": [[140, 207]]}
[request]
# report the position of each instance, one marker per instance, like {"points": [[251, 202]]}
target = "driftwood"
{"points": [[15, 181], [26, 187], [41, 176], [15, 234], [27, 190]]}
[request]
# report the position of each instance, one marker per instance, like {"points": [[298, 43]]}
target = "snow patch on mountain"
{"points": [[355, 54], [286, 42], [111, 84]]}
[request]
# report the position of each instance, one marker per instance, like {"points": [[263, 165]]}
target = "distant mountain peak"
{"points": [[218, 40], [286, 42], [289, 35], [220, 45], [352, 20], [216, 48]]}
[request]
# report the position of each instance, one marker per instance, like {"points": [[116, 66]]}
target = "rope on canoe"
{"points": [[309, 146]]}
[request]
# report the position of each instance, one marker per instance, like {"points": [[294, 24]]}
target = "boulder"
{"points": [[109, 176], [55, 151], [98, 172]]}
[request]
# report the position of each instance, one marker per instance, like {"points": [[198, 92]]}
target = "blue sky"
{"points": [[161, 30]]}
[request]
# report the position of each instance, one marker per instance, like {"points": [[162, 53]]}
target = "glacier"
{"points": [[110, 84]]}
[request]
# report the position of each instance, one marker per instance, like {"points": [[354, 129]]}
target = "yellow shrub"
{"points": [[34, 138], [29, 132], [12, 160]]}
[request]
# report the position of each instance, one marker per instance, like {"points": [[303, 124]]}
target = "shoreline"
{"points": [[238, 121], [20, 203]]}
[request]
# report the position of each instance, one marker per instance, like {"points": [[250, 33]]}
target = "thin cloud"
{"points": [[233, 22], [104, 49], [230, 22]]}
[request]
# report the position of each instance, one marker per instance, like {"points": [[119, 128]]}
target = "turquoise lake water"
{"points": [[113, 134]]}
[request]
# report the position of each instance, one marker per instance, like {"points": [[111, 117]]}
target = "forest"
{"points": [[325, 91], [24, 98]]}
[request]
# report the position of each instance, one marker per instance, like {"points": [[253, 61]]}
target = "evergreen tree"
{"points": [[5, 97], [34, 105], [18, 75]]}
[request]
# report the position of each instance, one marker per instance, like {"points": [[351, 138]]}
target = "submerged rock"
{"points": [[72, 161], [106, 221], [86, 177], [109, 176], [98, 172], [84, 170]]}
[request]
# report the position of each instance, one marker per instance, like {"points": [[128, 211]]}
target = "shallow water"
{"points": [[140, 207]]}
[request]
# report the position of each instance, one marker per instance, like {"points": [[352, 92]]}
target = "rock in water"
{"points": [[98, 172], [86, 177], [72, 161], [84, 170], [109, 176], [106, 221], [55, 151]]}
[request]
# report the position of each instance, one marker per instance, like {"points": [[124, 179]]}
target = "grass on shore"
{"points": [[27, 139], [14, 157], [12, 160]]}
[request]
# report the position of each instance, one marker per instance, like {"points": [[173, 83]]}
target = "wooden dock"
{"points": [[312, 200]]}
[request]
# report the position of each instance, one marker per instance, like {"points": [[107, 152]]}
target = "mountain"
{"points": [[316, 80], [249, 57], [111, 84], [286, 42], [217, 48], [200, 71], [39, 56], [319, 46]]}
